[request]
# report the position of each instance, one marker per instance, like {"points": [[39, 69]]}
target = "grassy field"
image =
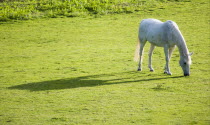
{"points": [[81, 71], [30, 9]]}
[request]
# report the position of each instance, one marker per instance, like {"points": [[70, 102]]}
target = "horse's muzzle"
{"points": [[186, 74]]}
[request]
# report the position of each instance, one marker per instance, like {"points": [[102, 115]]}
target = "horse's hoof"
{"points": [[138, 69], [168, 73], [151, 70]]}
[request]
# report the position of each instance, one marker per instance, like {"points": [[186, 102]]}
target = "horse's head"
{"points": [[185, 63]]}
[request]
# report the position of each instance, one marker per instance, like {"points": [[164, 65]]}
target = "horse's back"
{"points": [[158, 33], [151, 30], [146, 24], [150, 21]]}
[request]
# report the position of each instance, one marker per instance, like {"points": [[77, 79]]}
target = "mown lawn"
{"points": [[81, 71]]}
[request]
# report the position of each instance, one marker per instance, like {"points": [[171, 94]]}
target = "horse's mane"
{"points": [[174, 32], [176, 35]]}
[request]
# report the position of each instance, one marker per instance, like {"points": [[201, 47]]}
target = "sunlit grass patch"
{"points": [[81, 71], [30, 9]]}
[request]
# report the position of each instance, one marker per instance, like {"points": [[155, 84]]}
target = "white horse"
{"points": [[166, 35]]}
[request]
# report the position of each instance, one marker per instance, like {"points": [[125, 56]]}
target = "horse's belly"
{"points": [[156, 39], [161, 43], [157, 43]]}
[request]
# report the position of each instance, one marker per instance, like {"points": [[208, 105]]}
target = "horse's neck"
{"points": [[183, 50], [181, 44], [184, 53], [178, 38]]}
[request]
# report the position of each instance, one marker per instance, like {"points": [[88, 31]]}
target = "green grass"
{"points": [[30, 9], [81, 71]]}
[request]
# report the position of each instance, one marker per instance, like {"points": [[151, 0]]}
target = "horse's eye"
{"points": [[185, 63]]}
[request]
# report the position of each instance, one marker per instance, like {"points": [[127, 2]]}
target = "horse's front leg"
{"points": [[167, 58]]}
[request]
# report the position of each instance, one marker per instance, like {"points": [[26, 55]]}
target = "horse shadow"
{"points": [[85, 81]]}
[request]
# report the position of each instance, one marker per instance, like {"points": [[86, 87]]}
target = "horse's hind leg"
{"points": [[142, 44], [152, 47]]}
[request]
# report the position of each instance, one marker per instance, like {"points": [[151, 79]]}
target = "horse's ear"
{"points": [[191, 54]]}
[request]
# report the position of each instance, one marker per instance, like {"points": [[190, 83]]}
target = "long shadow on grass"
{"points": [[89, 81]]}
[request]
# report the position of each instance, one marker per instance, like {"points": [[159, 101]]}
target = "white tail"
{"points": [[136, 56]]}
